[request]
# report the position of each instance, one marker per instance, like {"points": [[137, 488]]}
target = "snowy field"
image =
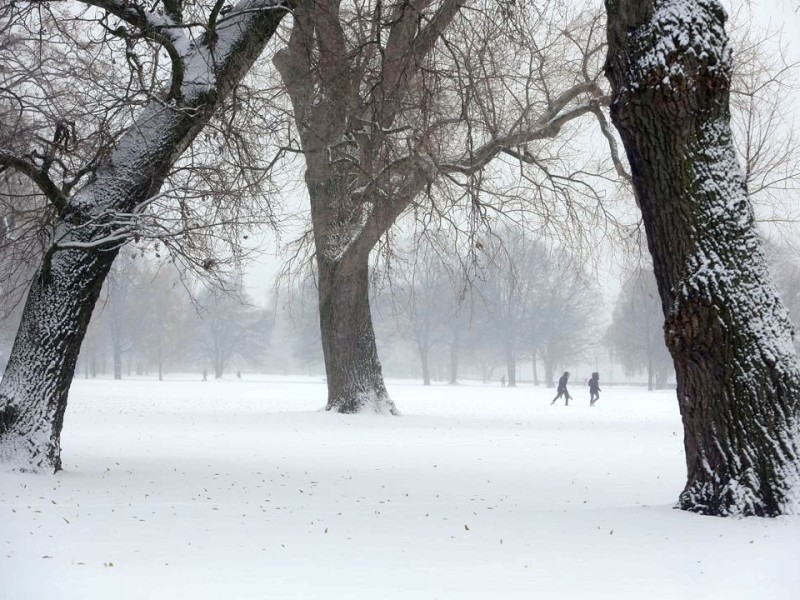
{"points": [[245, 490]]}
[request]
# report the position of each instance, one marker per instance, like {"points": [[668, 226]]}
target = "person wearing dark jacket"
{"points": [[594, 388], [562, 389]]}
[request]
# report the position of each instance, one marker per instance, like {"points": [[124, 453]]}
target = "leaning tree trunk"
{"points": [[355, 378], [738, 381], [42, 362]]}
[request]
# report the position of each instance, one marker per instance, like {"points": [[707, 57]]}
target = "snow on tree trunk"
{"points": [[738, 382], [42, 362], [33, 391], [345, 231], [355, 378]]}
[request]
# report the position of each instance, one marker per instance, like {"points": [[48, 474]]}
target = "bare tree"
{"points": [[427, 302], [567, 304], [98, 192], [230, 326], [738, 380], [636, 333], [142, 319], [119, 288], [163, 312], [424, 105], [784, 262], [508, 289], [538, 300], [765, 81]]}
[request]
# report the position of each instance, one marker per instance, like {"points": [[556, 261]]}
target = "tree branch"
{"points": [[39, 177], [163, 30], [427, 36], [404, 50], [547, 126], [619, 165]]}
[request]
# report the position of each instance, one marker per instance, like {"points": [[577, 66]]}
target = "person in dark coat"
{"points": [[594, 388], [562, 389]]}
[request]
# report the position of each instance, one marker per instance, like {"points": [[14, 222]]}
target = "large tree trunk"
{"points": [[33, 395], [345, 232], [355, 378], [738, 381]]}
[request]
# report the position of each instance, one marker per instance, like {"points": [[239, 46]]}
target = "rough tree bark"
{"points": [[353, 369], [738, 382], [355, 380], [34, 389]]}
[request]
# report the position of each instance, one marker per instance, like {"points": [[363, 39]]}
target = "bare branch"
{"points": [[38, 176], [548, 126]]}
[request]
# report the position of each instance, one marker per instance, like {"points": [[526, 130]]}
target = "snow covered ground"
{"points": [[243, 489]]}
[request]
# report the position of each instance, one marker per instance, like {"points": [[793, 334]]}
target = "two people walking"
{"points": [[594, 389]]}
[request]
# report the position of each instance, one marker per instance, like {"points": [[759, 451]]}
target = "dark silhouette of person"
{"points": [[594, 388], [562, 389], [503, 381]]}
